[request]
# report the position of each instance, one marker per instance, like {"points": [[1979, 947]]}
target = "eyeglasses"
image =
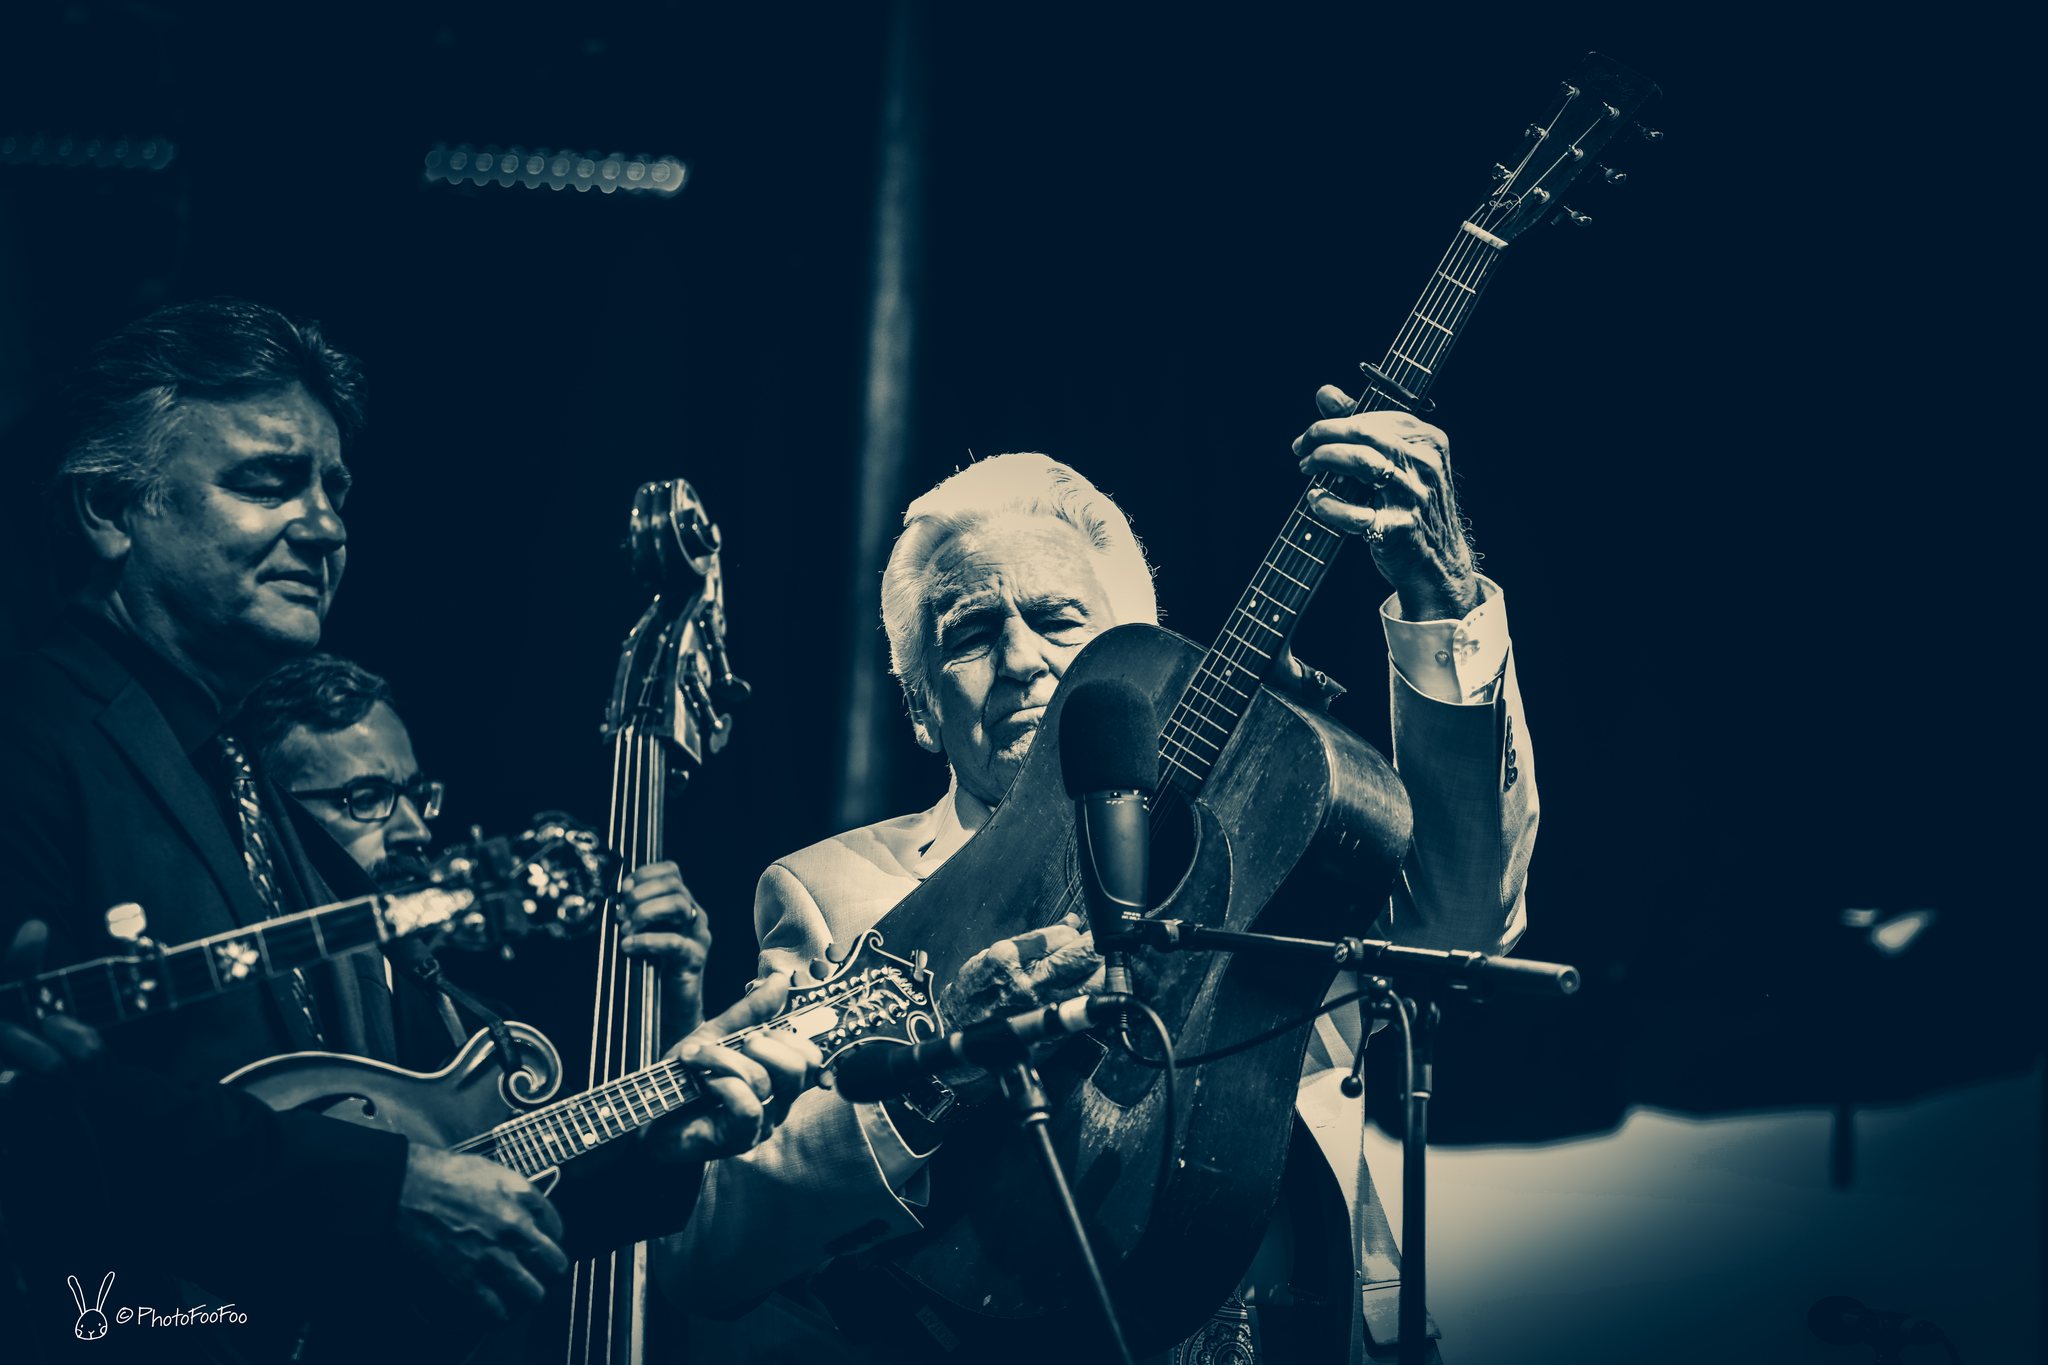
{"points": [[373, 799]]}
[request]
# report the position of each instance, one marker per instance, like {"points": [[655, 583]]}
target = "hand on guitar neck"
{"points": [[754, 1082], [661, 921], [1410, 518], [57, 1040]]}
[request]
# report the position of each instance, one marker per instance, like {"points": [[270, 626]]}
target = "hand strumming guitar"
{"points": [[1411, 522], [1016, 974], [482, 1228]]}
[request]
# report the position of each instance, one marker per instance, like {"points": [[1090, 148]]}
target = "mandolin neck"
{"points": [[1254, 639]]}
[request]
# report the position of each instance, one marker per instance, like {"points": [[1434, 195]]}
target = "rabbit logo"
{"points": [[92, 1323]]}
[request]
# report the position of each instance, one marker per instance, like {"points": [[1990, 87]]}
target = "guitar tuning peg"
{"points": [[1612, 176], [1650, 134], [1500, 172], [1571, 92], [1536, 132], [1578, 219], [127, 923]]}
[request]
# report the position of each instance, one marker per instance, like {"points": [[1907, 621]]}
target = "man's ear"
{"points": [[103, 519], [921, 721]]}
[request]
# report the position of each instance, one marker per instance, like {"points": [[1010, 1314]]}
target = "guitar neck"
{"points": [[1255, 636], [114, 990], [546, 1138]]}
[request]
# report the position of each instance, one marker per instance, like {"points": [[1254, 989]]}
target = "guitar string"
{"points": [[1458, 264]]}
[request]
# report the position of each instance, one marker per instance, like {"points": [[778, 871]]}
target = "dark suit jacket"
{"points": [[99, 804], [290, 1215]]}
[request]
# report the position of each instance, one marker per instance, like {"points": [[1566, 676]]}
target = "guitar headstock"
{"points": [[674, 681], [872, 996], [1600, 103]]}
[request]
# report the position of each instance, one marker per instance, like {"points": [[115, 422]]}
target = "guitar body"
{"points": [[1299, 829], [445, 1108]]}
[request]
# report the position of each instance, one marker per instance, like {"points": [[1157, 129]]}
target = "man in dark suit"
{"points": [[206, 479]]}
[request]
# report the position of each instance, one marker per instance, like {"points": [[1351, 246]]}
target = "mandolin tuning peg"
{"points": [[1612, 176], [1650, 134]]}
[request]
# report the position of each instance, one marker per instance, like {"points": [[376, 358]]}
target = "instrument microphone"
{"points": [[1109, 757], [1846, 1322], [879, 1070]]}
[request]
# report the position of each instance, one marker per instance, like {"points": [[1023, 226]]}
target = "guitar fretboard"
{"points": [[116, 989], [1254, 637], [545, 1138]]}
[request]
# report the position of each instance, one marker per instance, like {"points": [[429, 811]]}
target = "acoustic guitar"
{"points": [[1270, 817]]}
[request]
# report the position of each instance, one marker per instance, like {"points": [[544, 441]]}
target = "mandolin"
{"points": [[1270, 817]]}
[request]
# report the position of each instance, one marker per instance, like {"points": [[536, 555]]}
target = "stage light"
{"points": [[80, 151], [555, 170]]}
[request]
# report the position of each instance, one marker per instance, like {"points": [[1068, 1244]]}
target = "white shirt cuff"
{"points": [[902, 1168], [1458, 662]]}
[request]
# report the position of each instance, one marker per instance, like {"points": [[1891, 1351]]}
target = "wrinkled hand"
{"points": [[664, 924], [753, 1080], [55, 1042], [1412, 523], [481, 1227], [1016, 974]]}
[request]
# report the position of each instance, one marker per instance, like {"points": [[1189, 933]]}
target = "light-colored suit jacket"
{"points": [[817, 1189]]}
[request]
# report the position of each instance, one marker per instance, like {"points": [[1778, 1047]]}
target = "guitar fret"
{"points": [[1412, 361], [1262, 625], [1246, 643], [1166, 740], [1459, 284], [1432, 322], [1225, 681], [1197, 738], [1212, 699], [1219, 729], [1288, 576], [1178, 764]]}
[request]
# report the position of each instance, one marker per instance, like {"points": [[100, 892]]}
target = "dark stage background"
{"points": [[1691, 447]]}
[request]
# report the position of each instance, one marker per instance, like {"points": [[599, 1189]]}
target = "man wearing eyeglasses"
{"points": [[327, 732]]}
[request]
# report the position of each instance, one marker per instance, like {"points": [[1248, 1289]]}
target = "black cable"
{"points": [[1171, 1144], [1247, 1044]]}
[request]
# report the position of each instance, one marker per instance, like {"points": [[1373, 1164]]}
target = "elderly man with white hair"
{"points": [[1002, 573]]}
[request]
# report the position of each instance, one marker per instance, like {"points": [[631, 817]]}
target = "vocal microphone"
{"points": [[883, 1070], [1846, 1322], [1109, 759]]}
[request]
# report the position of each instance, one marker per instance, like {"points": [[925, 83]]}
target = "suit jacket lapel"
{"points": [[132, 721]]}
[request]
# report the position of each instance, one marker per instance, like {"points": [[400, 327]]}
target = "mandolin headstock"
{"points": [[872, 996], [1569, 143]]}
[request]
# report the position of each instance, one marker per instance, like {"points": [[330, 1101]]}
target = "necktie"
{"points": [[257, 858]]}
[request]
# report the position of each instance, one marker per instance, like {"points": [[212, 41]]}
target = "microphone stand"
{"points": [[1413, 1007], [1026, 1094]]}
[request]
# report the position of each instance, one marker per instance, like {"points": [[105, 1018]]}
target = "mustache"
{"points": [[400, 871]]}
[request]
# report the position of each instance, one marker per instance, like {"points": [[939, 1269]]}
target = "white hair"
{"points": [[1022, 483]]}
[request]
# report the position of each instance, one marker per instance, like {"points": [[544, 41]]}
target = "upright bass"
{"points": [[668, 713]]}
